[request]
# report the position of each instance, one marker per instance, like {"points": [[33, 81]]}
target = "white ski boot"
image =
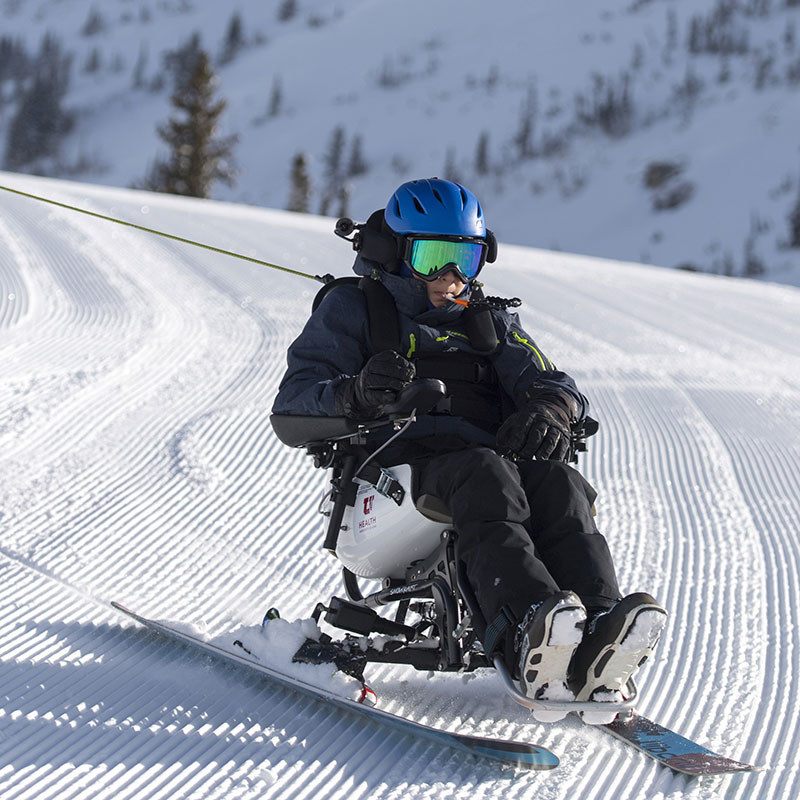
{"points": [[617, 642], [547, 639]]}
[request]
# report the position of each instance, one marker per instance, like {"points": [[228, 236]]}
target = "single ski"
{"points": [[671, 749], [517, 754], [662, 744]]}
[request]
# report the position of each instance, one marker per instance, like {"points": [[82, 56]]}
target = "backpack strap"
{"points": [[330, 286], [384, 325]]}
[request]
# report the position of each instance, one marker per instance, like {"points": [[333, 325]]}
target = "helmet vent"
{"points": [[463, 198], [437, 196], [419, 206]]}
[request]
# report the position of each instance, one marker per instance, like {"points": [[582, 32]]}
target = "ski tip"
{"points": [[125, 610], [672, 749], [708, 764]]}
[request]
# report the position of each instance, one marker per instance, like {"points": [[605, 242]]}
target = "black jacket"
{"points": [[336, 343]]}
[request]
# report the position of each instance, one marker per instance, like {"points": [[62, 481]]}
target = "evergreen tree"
{"points": [[94, 24], [93, 61], [300, 188], [450, 171], [275, 98], [794, 225], [356, 164], [343, 209], [789, 36], [482, 154], [40, 122], [181, 63], [332, 170], [287, 10], [139, 69], [234, 39], [197, 158], [524, 138], [753, 265]]}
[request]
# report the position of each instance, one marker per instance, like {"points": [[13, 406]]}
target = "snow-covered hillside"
{"points": [[662, 131], [137, 464]]}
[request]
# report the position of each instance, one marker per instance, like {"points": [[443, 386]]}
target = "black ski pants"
{"points": [[525, 531]]}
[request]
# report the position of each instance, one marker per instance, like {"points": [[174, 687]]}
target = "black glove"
{"points": [[377, 385], [541, 430]]}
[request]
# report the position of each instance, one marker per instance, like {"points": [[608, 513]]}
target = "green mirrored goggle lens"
{"points": [[429, 257]]}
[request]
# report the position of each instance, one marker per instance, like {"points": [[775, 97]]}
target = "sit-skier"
{"points": [[494, 451]]}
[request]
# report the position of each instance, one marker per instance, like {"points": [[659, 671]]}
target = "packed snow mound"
{"points": [[275, 642]]}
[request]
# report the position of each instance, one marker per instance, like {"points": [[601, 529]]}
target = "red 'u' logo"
{"points": [[368, 504]]}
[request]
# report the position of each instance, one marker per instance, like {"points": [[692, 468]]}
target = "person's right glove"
{"points": [[541, 430], [381, 379]]}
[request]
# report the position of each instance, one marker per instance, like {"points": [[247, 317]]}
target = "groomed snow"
{"points": [[137, 464]]}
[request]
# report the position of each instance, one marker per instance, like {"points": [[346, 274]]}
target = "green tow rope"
{"points": [[324, 279]]}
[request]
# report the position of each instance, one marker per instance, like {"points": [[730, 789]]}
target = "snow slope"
{"points": [[138, 465]]}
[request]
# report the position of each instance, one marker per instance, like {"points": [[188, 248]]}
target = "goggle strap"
{"points": [[377, 245]]}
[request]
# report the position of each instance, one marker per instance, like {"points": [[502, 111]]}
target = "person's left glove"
{"points": [[541, 430]]}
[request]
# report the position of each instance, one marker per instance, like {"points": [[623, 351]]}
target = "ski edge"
{"points": [[521, 755]]}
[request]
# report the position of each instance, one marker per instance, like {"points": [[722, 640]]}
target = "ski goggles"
{"points": [[429, 258]]}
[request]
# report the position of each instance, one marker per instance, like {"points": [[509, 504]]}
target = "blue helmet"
{"points": [[435, 207]]}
